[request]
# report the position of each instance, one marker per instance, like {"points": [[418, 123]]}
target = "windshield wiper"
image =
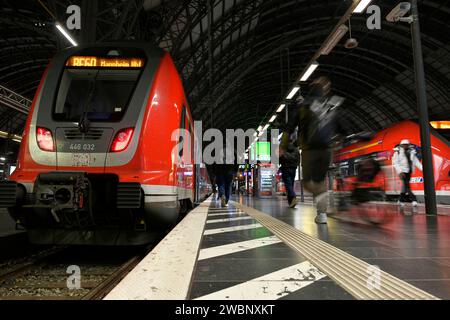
{"points": [[84, 123]]}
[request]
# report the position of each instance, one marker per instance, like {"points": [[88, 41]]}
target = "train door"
{"points": [[189, 174], [181, 149], [185, 174]]}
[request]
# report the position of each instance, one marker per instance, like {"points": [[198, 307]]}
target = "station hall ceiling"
{"points": [[238, 58]]}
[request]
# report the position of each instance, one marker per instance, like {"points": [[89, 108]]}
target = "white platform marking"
{"points": [[271, 286], [166, 272], [229, 219], [234, 213], [231, 229], [217, 251]]}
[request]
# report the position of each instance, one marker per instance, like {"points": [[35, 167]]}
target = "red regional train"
{"points": [[96, 164], [381, 147]]}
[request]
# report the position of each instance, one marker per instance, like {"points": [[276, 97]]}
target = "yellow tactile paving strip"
{"points": [[351, 273]]}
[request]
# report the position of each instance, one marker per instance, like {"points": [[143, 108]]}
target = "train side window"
{"points": [[182, 127], [189, 143], [191, 136]]}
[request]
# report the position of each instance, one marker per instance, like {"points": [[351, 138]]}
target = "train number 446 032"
{"points": [[84, 146]]}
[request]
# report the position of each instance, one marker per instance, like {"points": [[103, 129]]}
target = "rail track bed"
{"points": [[66, 273]]}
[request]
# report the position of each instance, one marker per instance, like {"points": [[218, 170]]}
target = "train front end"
{"points": [[81, 139]]}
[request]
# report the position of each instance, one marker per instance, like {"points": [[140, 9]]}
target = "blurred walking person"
{"points": [[317, 122]]}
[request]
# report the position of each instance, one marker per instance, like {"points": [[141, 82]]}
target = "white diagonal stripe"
{"points": [[225, 213], [229, 219], [236, 247], [231, 229], [271, 286]]}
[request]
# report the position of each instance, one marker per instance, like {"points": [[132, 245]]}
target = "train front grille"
{"points": [[75, 134], [129, 195], [8, 194]]}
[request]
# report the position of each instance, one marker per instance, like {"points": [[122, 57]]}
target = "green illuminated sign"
{"points": [[261, 151]]}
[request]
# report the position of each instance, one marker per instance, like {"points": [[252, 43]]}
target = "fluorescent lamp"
{"points": [[309, 71], [260, 134], [259, 128], [361, 6], [273, 118], [266, 127], [281, 108], [2, 158], [334, 39], [293, 93], [65, 34]]}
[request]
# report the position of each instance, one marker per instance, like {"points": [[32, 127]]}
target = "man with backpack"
{"points": [[405, 161], [317, 122]]}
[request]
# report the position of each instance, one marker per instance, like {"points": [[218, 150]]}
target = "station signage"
{"points": [[100, 62]]}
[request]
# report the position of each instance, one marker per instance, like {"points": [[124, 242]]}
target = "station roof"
{"points": [[238, 58]]}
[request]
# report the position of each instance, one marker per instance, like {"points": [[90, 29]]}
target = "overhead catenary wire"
{"points": [[48, 10]]}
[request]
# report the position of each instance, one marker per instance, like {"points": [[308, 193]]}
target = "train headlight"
{"points": [[122, 140], [45, 139]]}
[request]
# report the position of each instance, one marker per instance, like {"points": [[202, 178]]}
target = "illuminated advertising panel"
{"points": [[261, 151]]}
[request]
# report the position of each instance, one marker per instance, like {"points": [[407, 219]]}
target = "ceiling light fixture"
{"points": [[361, 6], [293, 93], [281, 108], [334, 39], [309, 71], [66, 34]]}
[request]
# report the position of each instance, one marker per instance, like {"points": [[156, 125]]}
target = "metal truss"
{"points": [[228, 52], [14, 100]]}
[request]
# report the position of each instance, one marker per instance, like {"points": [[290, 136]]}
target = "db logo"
{"points": [[416, 180]]}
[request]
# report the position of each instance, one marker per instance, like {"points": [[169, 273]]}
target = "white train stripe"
{"points": [[228, 219], [218, 251], [271, 286], [160, 198], [421, 192], [231, 229]]}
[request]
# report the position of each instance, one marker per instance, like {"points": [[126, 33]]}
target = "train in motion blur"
{"points": [[381, 148], [96, 164]]}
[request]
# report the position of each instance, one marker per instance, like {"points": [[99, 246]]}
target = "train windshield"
{"points": [[96, 94]]}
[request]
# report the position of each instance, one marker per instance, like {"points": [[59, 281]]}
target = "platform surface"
{"points": [[413, 247], [259, 249]]}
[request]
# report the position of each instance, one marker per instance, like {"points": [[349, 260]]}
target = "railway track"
{"points": [[47, 276]]}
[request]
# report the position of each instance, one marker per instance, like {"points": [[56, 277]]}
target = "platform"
{"points": [[259, 249]]}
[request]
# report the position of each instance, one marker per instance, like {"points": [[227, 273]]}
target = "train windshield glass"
{"points": [[95, 94]]}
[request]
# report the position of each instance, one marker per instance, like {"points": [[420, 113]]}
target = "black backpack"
{"points": [[321, 124]]}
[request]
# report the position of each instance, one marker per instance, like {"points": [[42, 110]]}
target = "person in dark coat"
{"points": [[225, 173], [290, 160], [317, 122]]}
